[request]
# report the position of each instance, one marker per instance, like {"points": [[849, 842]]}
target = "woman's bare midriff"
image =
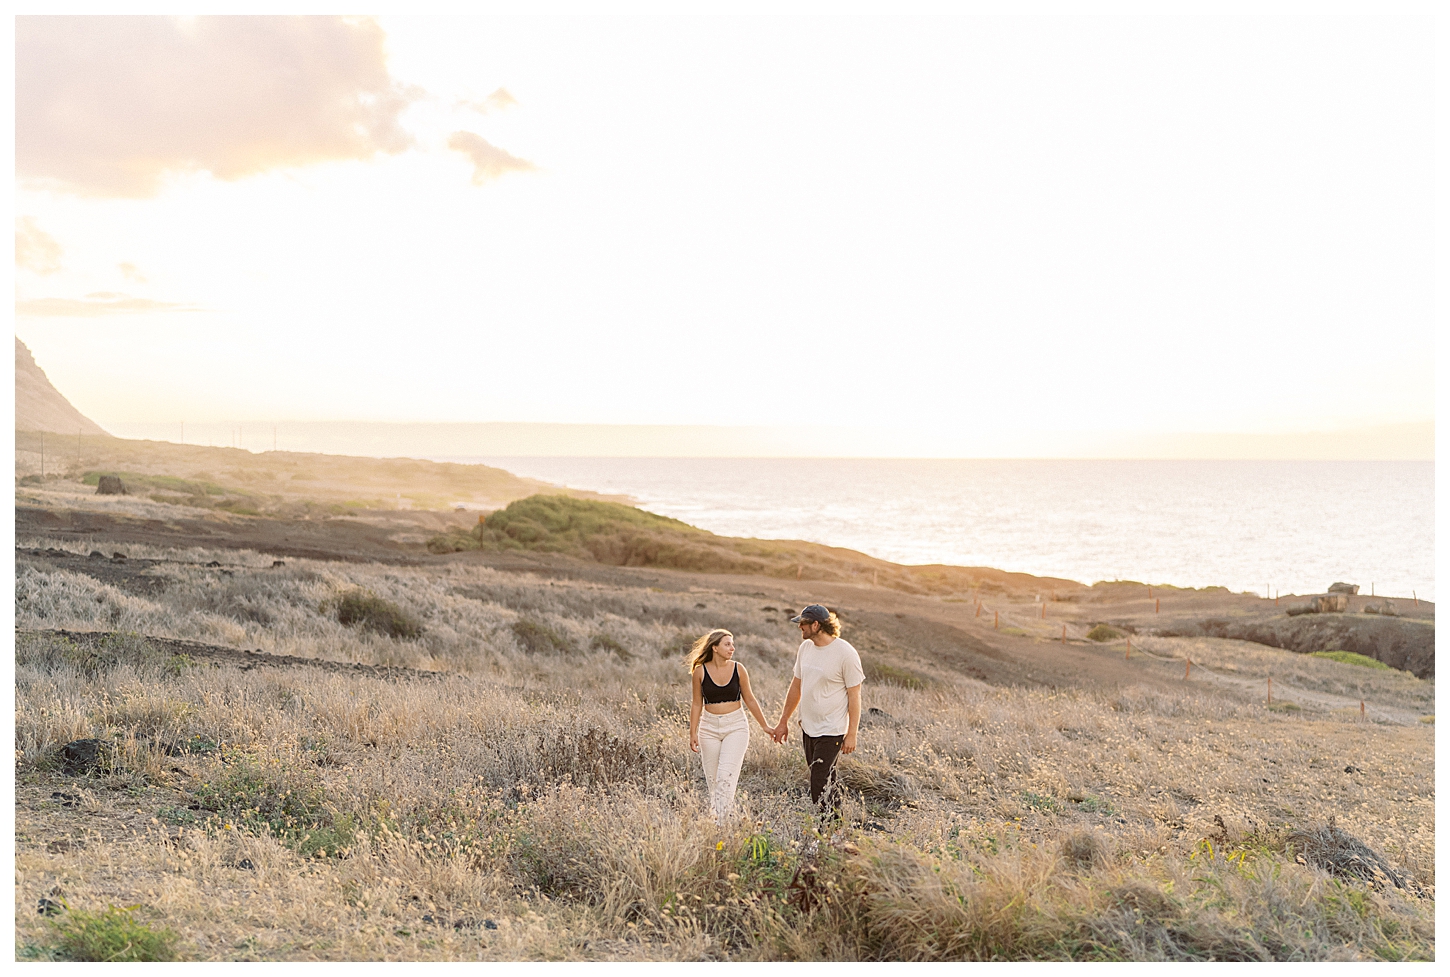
{"points": [[721, 708]]}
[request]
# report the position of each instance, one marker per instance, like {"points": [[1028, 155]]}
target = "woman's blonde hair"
{"points": [[702, 652]]}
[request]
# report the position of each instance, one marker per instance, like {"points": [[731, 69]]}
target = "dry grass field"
{"points": [[518, 785]]}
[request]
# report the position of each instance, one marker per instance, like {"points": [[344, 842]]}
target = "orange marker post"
{"points": [[1129, 652], [1361, 708], [1150, 592], [994, 619], [979, 608], [1187, 665], [1156, 602], [1064, 634], [799, 569], [1271, 691], [1044, 610]]}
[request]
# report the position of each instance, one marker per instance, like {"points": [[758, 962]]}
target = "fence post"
{"points": [[1129, 652], [1187, 665], [1271, 690], [1156, 602]]}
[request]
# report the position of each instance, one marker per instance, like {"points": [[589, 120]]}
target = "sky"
{"points": [[971, 231]]}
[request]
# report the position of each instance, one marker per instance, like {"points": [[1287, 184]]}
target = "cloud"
{"points": [[131, 272], [108, 106], [97, 304], [498, 101], [489, 162], [35, 250]]}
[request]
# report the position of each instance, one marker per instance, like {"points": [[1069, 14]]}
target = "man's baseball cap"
{"points": [[812, 612]]}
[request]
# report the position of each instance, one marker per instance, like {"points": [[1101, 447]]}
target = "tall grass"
{"points": [[542, 802]]}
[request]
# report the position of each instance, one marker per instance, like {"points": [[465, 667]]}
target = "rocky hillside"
{"points": [[41, 407]]}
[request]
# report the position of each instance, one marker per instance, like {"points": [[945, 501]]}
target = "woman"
{"points": [[719, 731]]}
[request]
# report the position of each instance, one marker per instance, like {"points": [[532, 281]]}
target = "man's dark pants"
{"points": [[821, 753]]}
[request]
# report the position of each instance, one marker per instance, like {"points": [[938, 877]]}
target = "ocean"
{"points": [[1259, 526]]}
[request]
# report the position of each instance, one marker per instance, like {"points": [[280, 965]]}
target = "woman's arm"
{"points": [[697, 703], [749, 696]]}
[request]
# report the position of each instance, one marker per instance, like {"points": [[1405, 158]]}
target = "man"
{"points": [[827, 687]]}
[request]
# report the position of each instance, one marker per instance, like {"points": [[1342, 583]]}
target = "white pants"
{"points": [[723, 740]]}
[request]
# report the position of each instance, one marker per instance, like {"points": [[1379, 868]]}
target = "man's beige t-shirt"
{"points": [[826, 673]]}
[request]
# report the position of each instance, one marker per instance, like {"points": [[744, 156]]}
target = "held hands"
{"points": [[780, 732]]}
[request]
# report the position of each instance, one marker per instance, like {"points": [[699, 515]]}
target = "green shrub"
{"points": [[1096, 805], [1039, 802], [93, 655], [539, 638], [286, 802], [1351, 658], [603, 642], [112, 935], [363, 609], [880, 673], [1102, 632]]}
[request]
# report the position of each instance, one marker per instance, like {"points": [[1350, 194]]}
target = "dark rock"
{"points": [[66, 800], [1385, 609], [278, 563], [213, 563], [118, 557], [97, 555], [49, 907], [489, 924], [1344, 588], [111, 485], [1323, 604], [81, 756], [875, 715], [1351, 769], [246, 864]]}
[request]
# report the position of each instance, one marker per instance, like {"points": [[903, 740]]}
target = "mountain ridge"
{"points": [[39, 406]]}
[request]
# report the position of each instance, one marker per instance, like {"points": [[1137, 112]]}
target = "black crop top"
{"points": [[729, 692]]}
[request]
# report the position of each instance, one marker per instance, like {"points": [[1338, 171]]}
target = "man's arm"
{"points": [[853, 715], [792, 699]]}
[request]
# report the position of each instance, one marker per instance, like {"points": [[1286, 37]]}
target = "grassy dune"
{"points": [[621, 535], [529, 793]]}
